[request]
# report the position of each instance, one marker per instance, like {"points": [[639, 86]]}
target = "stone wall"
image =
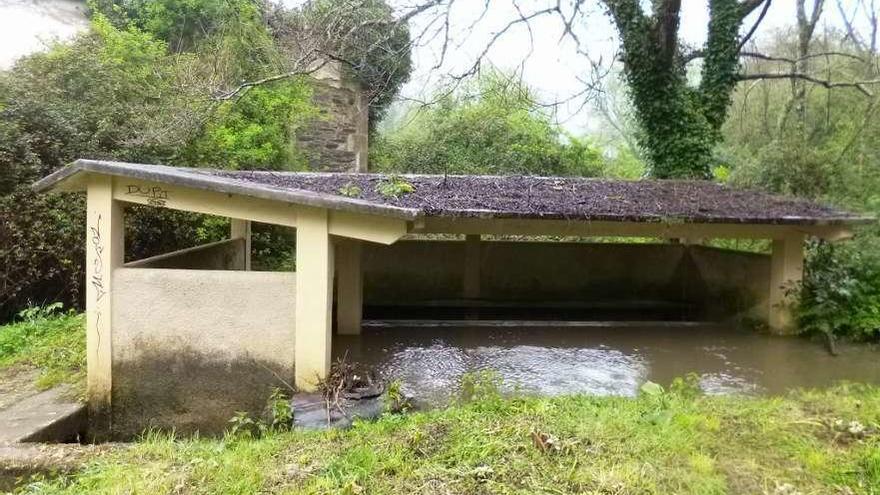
{"points": [[336, 140]]}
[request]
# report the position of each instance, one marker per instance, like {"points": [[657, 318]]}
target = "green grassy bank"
{"points": [[677, 441], [50, 342]]}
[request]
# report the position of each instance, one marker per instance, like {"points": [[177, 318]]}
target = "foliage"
{"points": [[278, 418], [820, 144], [394, 187], [350, 190], [396, 401], [47, 339], [822, 441], [680, 123], [257, 131], [494, 126], [840, 294], [365, 36]]}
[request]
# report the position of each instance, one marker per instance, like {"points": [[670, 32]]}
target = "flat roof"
{"points": [[526, 197]]}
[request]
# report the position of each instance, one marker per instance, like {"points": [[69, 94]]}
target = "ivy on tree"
{"points": [[680, 122]]}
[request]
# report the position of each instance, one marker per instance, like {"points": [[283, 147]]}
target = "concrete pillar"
{"points": [[314, 297], [349, 287], [241, 229], [104, 253], [786, 272], [472, 266]]}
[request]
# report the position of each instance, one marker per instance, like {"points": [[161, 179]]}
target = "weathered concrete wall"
{"points": [[410, 272], [734, 281], [193, 347], [228, 254], [336, 140]]}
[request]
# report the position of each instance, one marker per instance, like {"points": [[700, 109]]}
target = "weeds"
{"points": [[49, 339], [278, 418], [350, 190], [395, 187], [818, 441]]}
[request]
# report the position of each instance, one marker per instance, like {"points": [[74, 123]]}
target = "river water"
{"points": [[604, 360]]}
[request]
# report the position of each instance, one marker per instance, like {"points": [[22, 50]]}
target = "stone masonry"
{"points": [[336, 140]]}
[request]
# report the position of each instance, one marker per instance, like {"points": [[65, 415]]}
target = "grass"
{"points": [[665, 441], [53, 343]]}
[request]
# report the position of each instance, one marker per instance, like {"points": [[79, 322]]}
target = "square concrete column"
{"points": [[104, 253], [786, 273], [349, 287], [241, 229], [314, 297]]}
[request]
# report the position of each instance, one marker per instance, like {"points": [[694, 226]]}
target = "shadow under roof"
{"points": [[525, 197]]}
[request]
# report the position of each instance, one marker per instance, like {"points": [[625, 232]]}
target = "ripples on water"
{"points": [[430, 362]]}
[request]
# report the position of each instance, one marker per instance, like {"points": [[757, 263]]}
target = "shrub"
{"points": [[841, 291], [495, 126]]}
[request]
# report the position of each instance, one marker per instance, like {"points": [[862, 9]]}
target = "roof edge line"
{"points": [[184, 178]]}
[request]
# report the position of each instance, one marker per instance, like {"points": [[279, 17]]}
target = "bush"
{"points": [[841, 290], [495, 126]]}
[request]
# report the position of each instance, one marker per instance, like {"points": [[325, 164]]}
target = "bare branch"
{"points": [[754, 28], [862, 86]]}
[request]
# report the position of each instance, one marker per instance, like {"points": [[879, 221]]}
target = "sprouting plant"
{"points": [[243, 425], [480, 385], [395, 187], [396, 401], [35, 313], [350, 190], [280, 411]]}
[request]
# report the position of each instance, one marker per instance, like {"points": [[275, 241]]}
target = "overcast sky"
{"points": [[549, 62]]}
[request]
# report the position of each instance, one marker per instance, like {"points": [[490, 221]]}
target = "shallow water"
{"points": [[607, 361]]}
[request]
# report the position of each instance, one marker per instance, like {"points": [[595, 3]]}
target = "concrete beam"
{"points": [[209, 202], [580, 228], [314, 298], [349, 287], [241, 229], [786, 273], [104, 253], [381, 230]]}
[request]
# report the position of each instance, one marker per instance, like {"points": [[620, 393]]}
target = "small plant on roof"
{"points": [[350, 190], [395, 187]]}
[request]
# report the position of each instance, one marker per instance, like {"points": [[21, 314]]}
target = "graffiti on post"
{"points": [[155, 195], [97, 276]]}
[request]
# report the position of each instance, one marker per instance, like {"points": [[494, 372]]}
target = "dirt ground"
{"points": [[17, 384]]}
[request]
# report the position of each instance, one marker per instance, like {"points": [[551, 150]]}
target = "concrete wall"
{"points": [[410, 272], [228, 254], [193, 347], [731, 281], [336, 141]]}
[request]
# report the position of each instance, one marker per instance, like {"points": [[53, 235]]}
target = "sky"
{"points": [[549, 62]]}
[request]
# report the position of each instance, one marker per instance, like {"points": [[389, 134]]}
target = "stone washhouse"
{"points": [[186, 339]]}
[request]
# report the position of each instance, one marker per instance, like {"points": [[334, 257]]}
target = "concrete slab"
{"points": [[49, 416]]}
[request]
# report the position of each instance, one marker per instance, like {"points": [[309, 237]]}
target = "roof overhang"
{"points": [[74, 178], [217, 194]]}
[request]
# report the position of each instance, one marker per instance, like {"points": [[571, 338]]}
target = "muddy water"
{"points": [[607, 361]]}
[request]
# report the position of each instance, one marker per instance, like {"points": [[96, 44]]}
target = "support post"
{"points": [[241, 229], [104, 253], [472, 267], [786, 272], [314, 298], [349, 287]]}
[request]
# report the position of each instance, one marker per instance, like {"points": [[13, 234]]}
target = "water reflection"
{"points": [[606, 361]]}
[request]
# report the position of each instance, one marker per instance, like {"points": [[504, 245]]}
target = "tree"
{"points": [[681, 123], [493, 125]]}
